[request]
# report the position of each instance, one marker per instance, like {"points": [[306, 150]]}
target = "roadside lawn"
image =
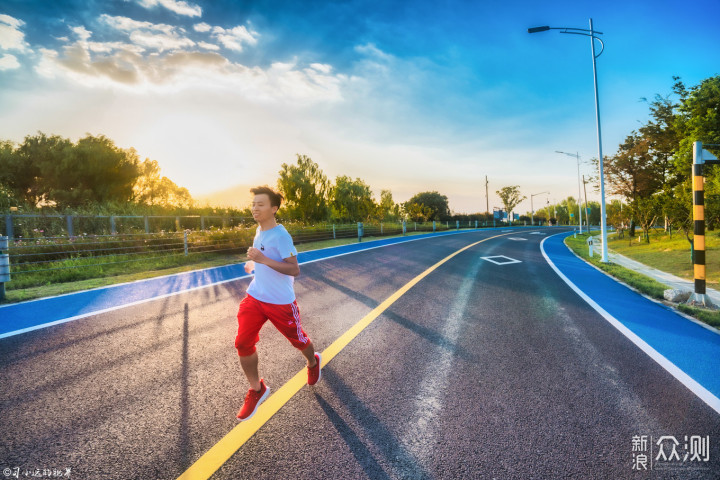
{"points": [[670, 254], [652, 255]]}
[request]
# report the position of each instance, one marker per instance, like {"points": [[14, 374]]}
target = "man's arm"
{"points": [[289, 266]]}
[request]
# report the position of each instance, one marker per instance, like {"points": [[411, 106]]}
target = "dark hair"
{"points": [[275, 198]]}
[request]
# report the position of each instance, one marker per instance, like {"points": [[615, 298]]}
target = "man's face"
{"points": [[261, 208]]}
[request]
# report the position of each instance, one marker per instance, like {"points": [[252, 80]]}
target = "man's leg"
{"points": [[250, 320], [286, 319], [249, 365], [314, 363], [309, 354]]}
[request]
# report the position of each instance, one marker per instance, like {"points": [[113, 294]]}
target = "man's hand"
{"points": [[249, 266], [288, 266], [256, 255]]}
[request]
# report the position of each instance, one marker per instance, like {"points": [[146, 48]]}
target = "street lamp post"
{"points": [[532, 210], [577, 157], [592, 34]]}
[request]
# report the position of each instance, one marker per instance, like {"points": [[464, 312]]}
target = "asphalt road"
{"points": [[479, 371]]}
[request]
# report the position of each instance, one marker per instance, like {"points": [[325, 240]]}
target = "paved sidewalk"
{"points": [[663, 277]]}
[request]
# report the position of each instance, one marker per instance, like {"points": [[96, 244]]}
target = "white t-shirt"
{"points": [[268, 285]]}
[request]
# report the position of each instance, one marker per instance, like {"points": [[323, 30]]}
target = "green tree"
{"points": [[305, 188], [95, 170], [563, 214], [662, 140], [571, 210], [52, 170], [418, 212], [152, 189], [618, 215], [697, 119], [9, 197], [510, 198], [646, 210], [677, 208], [25, 170], [387, 209], [351, 199], [437, 203], [632, 172], [147, 187]]}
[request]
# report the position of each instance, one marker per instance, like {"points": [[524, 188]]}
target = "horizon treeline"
{"points": [[93, 176], [311, 197]]}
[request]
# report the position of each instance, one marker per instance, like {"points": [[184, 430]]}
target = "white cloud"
{"points": [[177, 6], [9, 62], [208, 46], [82, 33], [322, 68], [234, 38], [13, 22], [160, 42], [128, 24], [107, 47], [148, 35], [11, 37], [202, 27], [163, 63], [371, 50]]}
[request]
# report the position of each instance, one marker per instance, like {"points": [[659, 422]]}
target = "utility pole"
{"points": [[587, 221], [532, 209], [487, 201]]}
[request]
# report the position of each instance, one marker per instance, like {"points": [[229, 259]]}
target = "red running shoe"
{"points": [[314, 373], [253, 400]]}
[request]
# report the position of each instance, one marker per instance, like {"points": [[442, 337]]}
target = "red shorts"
{"points": [[252, 316]]}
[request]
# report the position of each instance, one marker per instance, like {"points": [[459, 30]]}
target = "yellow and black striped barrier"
{"points": [[700, 157]]}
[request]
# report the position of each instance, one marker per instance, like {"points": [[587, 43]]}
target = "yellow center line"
{"points": [[221, 452]]}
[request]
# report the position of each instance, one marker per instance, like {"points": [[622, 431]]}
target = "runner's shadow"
{"points": [[361, 453], [184, 427], [396, 455], [426, 333]]}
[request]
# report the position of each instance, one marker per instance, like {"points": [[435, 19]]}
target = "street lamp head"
{"points": [[538, 29]]}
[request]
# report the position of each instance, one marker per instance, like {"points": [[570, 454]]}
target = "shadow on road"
{"points": [[396, 455], [426, 333]]}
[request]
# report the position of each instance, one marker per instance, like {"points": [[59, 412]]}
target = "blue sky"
{"points": [[409, 96]]}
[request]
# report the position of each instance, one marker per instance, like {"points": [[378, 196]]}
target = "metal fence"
{"points": [[52, 226], [22, 225], [53, 259]]}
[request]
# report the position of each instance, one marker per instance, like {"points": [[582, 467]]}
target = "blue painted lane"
{"points": [[31, 315], [691, 347], [49, 311]]}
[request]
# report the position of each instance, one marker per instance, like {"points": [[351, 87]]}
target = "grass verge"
{"points": [[668, 253], [642, 283]]}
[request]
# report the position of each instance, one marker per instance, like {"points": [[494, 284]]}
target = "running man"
{"points": [[270, 296]]}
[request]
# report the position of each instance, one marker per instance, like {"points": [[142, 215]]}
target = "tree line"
{"points": [[91, 174], [651, 170], [311, 197]]}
